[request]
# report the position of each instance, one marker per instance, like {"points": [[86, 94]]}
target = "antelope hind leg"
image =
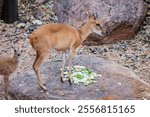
{"points": [[37, 64]]}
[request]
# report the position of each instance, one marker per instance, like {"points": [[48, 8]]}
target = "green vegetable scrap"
{"points": [[80, 74]]}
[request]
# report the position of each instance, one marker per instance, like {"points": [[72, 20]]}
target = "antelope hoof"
{"points": [[70, 82], [62, 81]]}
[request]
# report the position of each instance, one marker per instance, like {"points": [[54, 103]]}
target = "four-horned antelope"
{"points": [[60, 37], [7, 67]]}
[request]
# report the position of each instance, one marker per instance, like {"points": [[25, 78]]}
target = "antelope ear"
{"points": [[95, 16], [91, 17]]}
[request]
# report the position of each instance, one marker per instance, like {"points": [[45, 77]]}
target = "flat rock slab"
{"points": [[116, 80]]}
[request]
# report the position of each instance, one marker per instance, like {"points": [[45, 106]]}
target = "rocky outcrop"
{"points": [[116, 80], [121, 18]]}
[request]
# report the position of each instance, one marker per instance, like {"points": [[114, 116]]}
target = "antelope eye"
{"points": [[97, 24]]}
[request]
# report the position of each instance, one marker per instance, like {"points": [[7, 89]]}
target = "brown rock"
{"points": [[121, 18]]}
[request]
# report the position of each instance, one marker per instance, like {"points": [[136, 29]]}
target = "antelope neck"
{"points": [[85, 31]]}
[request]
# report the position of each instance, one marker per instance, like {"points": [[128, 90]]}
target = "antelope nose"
{"points": [[97, 24]]}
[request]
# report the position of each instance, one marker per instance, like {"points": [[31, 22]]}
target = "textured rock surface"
{"points": [[121, 17], [116, 80]]}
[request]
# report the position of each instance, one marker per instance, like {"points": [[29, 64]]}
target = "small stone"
{"points": [[21, 25], [93, 50], [61, 93], [38, 22], [119, 83], [41, 1], [148, 57]]}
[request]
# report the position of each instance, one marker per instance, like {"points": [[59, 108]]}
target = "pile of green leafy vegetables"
{"points": [[80, 74]]}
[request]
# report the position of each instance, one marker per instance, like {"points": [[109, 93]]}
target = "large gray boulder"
{"points": [[121, 18], [116, 80]]}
